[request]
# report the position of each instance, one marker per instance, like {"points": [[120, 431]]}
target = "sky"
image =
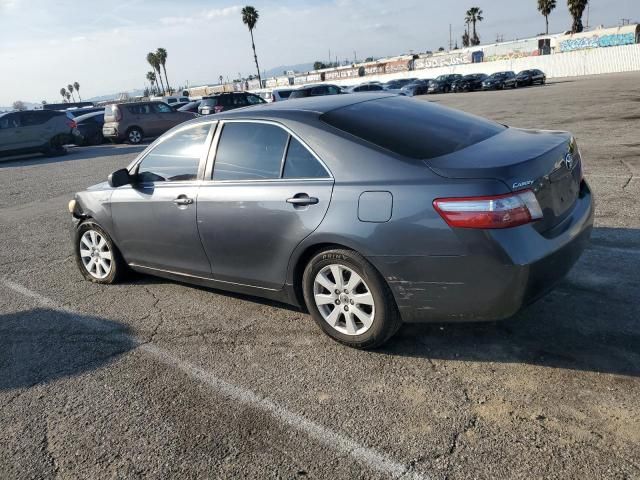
{"points": [[102, 44]]}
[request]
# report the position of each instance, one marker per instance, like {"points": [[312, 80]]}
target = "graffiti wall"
{"points": [[609, 37], [443, 60]]}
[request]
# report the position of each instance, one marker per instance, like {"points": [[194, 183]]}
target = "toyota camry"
{"points": [[367, 210]]}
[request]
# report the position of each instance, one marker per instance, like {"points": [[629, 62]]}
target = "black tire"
{"points": [[134, 135], [97, 139], [55, 147], [386, 320], [118, 265]]}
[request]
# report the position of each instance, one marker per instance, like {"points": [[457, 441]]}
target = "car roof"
{"points": [[82, 118], [318, 105]]}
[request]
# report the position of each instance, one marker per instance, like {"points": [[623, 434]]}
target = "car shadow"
{"points": [[44, 345], [590, 322], [73, 154]]}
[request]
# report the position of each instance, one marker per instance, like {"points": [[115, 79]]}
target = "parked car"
{"points": [[499, 81], [171, 99], [88, 129], [417, 87], [190, 107], [366, 87], [371, 210], [280, 94], [443, 83], [527, 78], [134, 121], [35, 131], [315, 91], [178, 105], [223, 102], [77, 112], [469, 83], [398, 84]]}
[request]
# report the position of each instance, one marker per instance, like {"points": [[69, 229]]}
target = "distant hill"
{"points": [[278, 71]]}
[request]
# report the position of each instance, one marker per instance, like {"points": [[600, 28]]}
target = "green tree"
{"points": [[152, 80], [161, 55], [250, 19], [19, 105], [576, 9], [317, 65], [545, 7], [474, 15], [70, 89], [153, 61], [76, 85]]}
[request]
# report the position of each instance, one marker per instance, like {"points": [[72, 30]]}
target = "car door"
{"points": [[11, 134], [167, 117], [155, 218], [267, 193]]}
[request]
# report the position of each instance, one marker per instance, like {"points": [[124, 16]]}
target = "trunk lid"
{"points": [[546, 162]]}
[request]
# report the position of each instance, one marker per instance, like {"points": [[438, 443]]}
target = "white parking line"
{"points": [[342, 444]]}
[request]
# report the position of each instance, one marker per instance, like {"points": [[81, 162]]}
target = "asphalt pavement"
{"points": [[156, 379]]}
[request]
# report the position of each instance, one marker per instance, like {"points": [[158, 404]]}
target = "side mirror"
{"points": [[119, 178]]}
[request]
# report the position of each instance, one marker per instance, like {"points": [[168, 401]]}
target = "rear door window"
{"points": [[11, 120], [177, 158], [414, 129], [162, 108], [249, 151], [144, 109], [254, 100], [300, 163]]}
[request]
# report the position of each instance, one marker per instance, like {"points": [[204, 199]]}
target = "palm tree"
{"points": [[152, 80], [474, 14], [576, 8], [250, 18], [221, 79], [76, 85], [153, 61], [545, 7], [70, 88], [161, 55], [63, 93], [68, 95]]}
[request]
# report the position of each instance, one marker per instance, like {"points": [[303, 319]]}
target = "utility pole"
{"points": [[588, 11], [450, 38], [355, 57]]}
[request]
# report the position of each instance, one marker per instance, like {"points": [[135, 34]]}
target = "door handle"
{"points": [[183, 201], [302, 199]]}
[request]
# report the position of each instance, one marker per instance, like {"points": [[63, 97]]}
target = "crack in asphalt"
{"points": [[631, 174]]}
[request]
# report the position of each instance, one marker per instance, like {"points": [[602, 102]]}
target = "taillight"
{"points": [[218, 108], [499, 211], [72, 123]]}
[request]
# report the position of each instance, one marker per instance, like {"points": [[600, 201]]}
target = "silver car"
{"points": [[368, 210]]}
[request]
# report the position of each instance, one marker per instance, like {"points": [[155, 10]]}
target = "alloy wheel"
{"points": [[344, 299], [135, 136], [96, 255]]}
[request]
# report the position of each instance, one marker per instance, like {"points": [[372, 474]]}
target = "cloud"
{"points": [[202, 16]]}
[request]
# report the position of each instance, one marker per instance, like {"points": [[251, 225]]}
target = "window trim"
{"points": [[213, 128], [208, 173]]}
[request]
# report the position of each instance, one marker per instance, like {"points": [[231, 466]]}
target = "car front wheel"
{"points": [[349, 299], [97, 257]]}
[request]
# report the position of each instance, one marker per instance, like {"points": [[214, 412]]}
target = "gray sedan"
{"points": [[369, 210]]}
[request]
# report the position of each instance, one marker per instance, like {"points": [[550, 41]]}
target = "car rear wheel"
{"points": [[55, 147], [97, 257], [134, 136], [349, 300]]}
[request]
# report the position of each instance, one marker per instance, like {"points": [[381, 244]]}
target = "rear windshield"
{"points": [[284, 93], [300, 93], [209, 102], [412, 128]]}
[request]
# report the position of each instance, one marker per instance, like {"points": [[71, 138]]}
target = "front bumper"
{"points": [[504, 271]]}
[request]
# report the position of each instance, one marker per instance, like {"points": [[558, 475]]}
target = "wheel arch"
{"points": [[306, 252]]}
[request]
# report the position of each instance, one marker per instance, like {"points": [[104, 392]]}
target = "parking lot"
{"points": [[155, 379]]}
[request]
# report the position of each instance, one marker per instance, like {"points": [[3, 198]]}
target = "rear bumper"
{"points": [[504, 271], [111, 132]]}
